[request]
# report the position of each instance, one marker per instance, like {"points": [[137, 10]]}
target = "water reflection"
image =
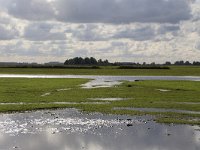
{"points": [[93, 132]]}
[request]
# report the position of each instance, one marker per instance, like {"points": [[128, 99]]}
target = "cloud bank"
{"points": [[119, 30]]}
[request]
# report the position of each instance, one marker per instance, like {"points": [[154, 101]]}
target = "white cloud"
{"points": [[118, 30], [29, 9]]}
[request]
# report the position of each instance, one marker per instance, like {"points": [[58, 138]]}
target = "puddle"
{"points": [[62, 103], [20, 103], [163, 90], [171, 102], [68, 120], [157, 110], [100, 83], [80, 103], [104, 81], [45, 94], [190, 103], [59, 90], [68, 129], [109, 99]]}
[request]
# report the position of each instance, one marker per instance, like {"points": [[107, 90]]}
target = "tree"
{"points": [[93, 61], [168, 63], [144, 63], [86, 61], [179, 62], [100, 62], [153, 64], [187, 63]]}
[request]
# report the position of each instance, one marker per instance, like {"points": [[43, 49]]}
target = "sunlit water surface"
{"points": [[68, 129]]}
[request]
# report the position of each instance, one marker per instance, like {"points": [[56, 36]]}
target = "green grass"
{"points": [[173, 71], [142, 94]]}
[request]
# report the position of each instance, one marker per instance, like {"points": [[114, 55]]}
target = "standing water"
{"points": [[69, 129], [103, 81]]}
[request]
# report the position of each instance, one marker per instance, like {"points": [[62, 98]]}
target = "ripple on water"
{"points": [[70, 129], [69, 121]]}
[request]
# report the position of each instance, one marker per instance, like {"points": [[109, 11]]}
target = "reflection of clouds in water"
{"points": [[1, 136], [50, 137], [131, 140], [93, 146], [197, 135], [39, 122], [116, 136]]}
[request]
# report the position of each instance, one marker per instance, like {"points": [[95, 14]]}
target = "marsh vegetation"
{"points": [[32, 93]]}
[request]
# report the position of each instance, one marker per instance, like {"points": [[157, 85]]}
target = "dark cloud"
{"points": [[88, 33], [30, 9], [168, 28], [123, 11], [118, 44], [42, 32], [139, 34], [101, 11]]}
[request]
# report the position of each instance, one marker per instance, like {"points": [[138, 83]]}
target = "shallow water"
{"points": [[109, 99], [163, 90], [61, 103], [68, 129], [104, 81], [157, 110]]}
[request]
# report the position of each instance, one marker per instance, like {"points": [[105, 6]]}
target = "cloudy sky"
{"points": [[118, 30]]}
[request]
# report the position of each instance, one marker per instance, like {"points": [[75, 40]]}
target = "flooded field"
{"points": [[103, 81], [71, 129], [68, 129]]}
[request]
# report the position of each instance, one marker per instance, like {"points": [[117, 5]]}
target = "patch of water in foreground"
{"points": [[68, 129]]}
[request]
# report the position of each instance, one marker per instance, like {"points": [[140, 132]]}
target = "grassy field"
{"points": [[173, 71], [40, 93]]}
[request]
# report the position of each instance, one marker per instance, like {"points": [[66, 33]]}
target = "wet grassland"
{"points": [[129, 98]]}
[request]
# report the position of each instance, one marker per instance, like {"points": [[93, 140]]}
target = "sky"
{"points": [[117, 30]]}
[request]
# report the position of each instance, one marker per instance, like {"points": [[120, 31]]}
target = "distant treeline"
{"points": [[168, 63], [93, 63], [143, 67], [53, 66], [100, 62], [183, 63], [86, 61]]}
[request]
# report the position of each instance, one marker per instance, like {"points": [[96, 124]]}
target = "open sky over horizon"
{"points": [[117, 30]]}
